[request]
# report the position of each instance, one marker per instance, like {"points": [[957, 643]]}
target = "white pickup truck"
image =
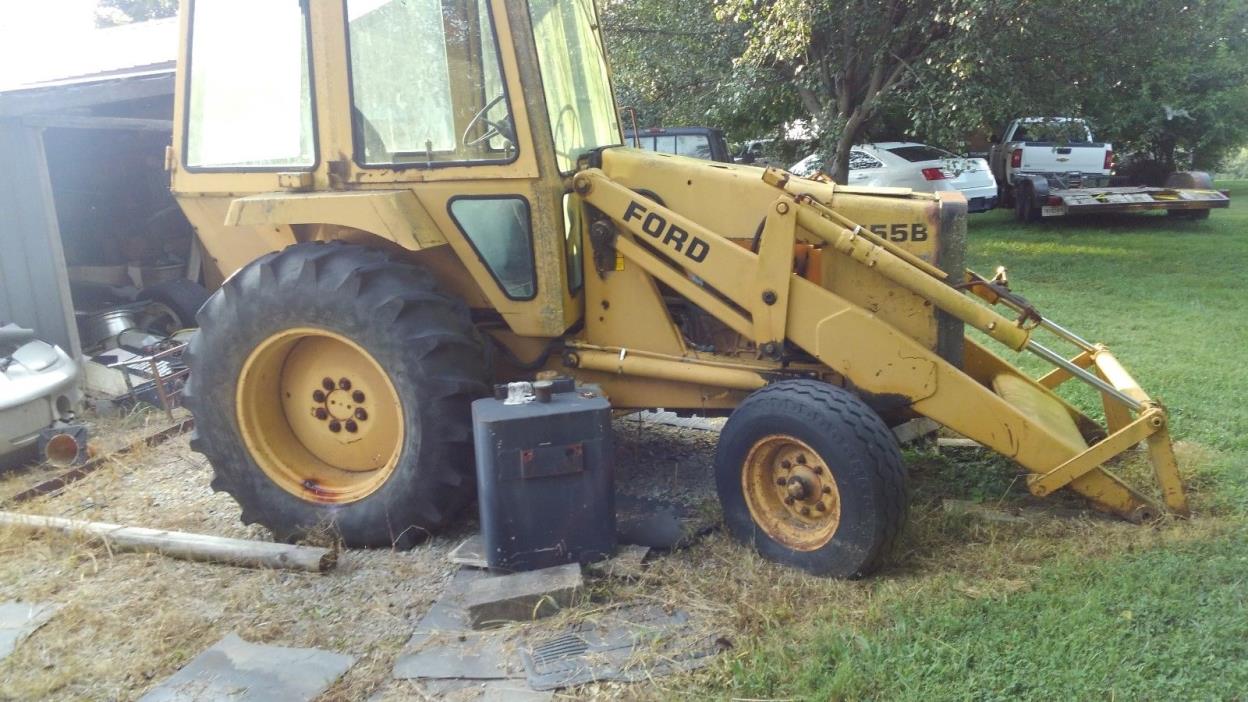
{"points": [[1052, 166]]}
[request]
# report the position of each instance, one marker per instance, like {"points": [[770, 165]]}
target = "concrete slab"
{"points": [[460, 691], [627, 563], [629, 644], [470, 552], [672, 420], [19, 620], [240, 671], [522, 597], [473, 656]]}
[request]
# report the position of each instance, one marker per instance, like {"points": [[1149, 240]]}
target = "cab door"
{"points": [[432, 100]]}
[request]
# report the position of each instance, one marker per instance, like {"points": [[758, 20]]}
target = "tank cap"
{"points": [[543, 389]]}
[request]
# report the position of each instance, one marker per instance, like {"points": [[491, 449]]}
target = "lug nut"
{"points": [[801, 459], [351, 426], [827, 489], [335, 427], [318, 396], [344, 384], [785, 464], [805, 511], [360, 414], [820, 507], [320, 413], [781, 481], [358, 396], [818, 470], [789, 500], [328, 384]]}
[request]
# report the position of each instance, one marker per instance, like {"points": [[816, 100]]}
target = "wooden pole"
{"points": [[177, 544]]}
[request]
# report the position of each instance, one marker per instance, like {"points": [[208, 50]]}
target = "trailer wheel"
{"points": [[331, 389], [811, 477], [1025, 209]]}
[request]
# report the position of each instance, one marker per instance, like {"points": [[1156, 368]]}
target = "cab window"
{"points": [[574, 78], [249, 109], [426, 84]]}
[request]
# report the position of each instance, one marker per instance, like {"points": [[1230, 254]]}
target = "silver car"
{"points": [[38, 387], [916, 166]]}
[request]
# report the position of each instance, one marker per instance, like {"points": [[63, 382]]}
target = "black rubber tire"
{"points": [[859, 450], [424, 340], [183, 297]]}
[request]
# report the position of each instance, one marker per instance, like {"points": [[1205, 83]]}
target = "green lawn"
{"points": [[1073, 608]]}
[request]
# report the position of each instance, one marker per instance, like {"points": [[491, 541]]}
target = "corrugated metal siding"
{"points": [[34, 289]]}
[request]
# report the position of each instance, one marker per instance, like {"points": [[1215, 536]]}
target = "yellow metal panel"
{"points": [[1095, 456], [770, 306], [393, 214]]}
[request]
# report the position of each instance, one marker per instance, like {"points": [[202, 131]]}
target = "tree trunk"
{"points": [[855, 125]]}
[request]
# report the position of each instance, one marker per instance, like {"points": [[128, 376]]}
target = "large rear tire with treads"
{"points": [[331, 388]]}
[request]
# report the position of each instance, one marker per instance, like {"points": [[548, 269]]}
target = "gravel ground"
{"points": [[130, 620]]}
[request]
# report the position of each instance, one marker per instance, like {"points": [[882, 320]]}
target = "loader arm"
{"points": [[759, 295]]}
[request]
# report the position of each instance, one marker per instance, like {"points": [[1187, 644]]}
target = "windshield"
{"points": [[574, 78], [693, 145], [919, 153], [1063, 131], [426, 83]]}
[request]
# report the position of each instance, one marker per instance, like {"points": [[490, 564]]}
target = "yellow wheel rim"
{"points": [[791, 492], [319, 415]]}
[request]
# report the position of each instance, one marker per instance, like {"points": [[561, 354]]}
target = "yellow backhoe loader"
{"points": [[404, 201]]}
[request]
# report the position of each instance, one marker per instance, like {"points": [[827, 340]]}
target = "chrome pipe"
{"points": [[1067, 334], [1082, 374]]}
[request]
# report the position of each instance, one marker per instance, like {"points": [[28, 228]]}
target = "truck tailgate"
{"points": [[1046, 157]]}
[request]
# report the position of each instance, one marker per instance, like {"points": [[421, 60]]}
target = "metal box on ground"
{"points": [[545, 478]]}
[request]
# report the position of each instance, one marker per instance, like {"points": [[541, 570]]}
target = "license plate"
{"points": [[1053, 211]]}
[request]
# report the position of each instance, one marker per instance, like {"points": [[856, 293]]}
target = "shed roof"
{"points": [[135, 49]]}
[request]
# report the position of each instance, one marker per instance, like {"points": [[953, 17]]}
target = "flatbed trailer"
{"points": [[1186, 194]]}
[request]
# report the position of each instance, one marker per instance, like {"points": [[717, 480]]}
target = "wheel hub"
{"points": [[335, 432], [791, 493]]}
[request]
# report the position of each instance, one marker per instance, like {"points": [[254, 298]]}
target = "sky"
{"points": [[42, 37]]}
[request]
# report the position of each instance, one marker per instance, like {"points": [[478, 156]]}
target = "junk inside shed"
{"points": [[129, 251]]}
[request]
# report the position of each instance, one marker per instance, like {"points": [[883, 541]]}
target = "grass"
{"points": [[1072, 608]]}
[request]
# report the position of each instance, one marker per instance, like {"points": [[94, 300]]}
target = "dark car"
{"points": [[696, 142]]}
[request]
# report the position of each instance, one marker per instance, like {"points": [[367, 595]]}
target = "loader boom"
{"points": [[987, 400]]}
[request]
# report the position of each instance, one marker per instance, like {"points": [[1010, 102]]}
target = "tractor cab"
{"points": [[416, 107]]}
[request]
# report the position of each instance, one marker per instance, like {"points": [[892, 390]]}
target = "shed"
{"points": [[84, 191]]}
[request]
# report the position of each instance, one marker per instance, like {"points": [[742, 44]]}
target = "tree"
{"points": [[847, 59], [675, 64], [110, 13]]}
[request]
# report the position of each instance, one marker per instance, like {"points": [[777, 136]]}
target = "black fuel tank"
{"points": [[545, 478]]}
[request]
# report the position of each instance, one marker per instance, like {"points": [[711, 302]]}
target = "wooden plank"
{"points": [[78, 473], [94, 122], [178, 544], [53, 97]]}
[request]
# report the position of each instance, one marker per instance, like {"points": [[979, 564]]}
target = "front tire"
{"points": [[331, 388], [811, 477]]}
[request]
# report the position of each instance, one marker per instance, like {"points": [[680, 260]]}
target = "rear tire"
{"points": [[383, 462], [1025, 209], [811, 477]]}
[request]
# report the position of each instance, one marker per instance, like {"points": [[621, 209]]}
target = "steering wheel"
{"points": [[503, 128]]}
